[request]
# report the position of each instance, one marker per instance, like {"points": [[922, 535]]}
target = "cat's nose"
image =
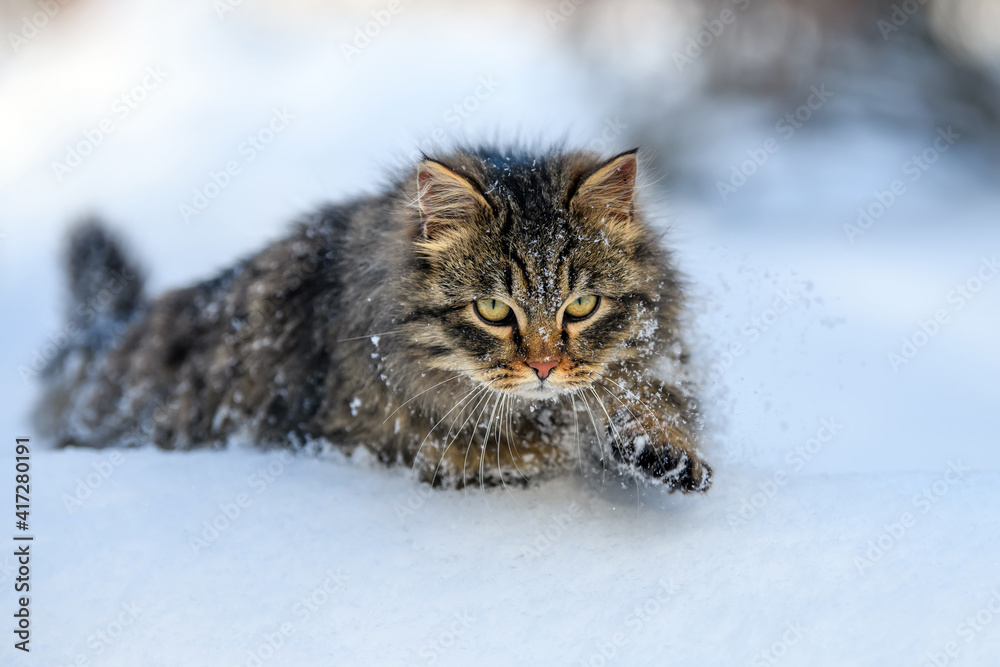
{"points": [[543, 368]]}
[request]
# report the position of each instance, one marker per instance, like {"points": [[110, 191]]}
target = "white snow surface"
{"points": [[854, 514]]}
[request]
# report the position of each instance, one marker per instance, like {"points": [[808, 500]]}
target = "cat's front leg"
{"points": [[650, 434], [505, 450]]}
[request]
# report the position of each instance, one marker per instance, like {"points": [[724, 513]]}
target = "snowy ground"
{"points": [[854, 517]]}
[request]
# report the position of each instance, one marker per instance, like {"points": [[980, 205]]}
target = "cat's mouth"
{"points": [[534, 385], [535, 389], [551, 387], [540, 389]]}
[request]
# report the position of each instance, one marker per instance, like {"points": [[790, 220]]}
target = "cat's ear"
{"points": [[445, 199], [608, 193]]}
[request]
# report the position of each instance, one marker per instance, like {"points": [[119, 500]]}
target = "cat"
{"points": [[492, 318]]}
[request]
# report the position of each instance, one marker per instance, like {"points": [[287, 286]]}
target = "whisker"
{"points": [[628, 393], [576, 428], [510, 432], [617, 435], [610, 422], [614, 430], [641, 425], [480, 393], [486, 442], [597, 431], [416, 457], [449, 440], [631, 414], [402, 405], [505, 405], [472, 437], [451, 427], [384, 333], [669, 426]]}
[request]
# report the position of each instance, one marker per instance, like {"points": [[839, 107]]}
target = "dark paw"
{"points": [[657, 463]]}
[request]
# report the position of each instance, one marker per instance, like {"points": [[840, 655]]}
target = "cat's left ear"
{"points": [[446, 199], [608, 193]]}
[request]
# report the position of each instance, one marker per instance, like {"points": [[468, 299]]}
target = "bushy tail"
{"points": [[105, 291], [106, 288]]}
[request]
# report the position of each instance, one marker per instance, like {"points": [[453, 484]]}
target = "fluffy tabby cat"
{"points": [[491, 318]]}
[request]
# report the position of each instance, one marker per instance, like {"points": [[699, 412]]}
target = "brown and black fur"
{"points": [[359, 329]]}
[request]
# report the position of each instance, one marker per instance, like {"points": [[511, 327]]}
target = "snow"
{"points": [[853, 515], [547, 575]]}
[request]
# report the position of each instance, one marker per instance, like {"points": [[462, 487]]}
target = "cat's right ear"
{"points": [[607, 194], [446, 199]]}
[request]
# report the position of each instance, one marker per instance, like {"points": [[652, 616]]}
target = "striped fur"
{"points": [[359, 328]]}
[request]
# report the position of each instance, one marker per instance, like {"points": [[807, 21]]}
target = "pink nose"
{"points": [[543, 368]]}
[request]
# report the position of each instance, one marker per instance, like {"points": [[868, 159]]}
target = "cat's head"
{"points": [[532, 275]]}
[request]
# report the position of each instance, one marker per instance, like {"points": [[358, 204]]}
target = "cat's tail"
{"points": [[105, 293], [105, 285]]}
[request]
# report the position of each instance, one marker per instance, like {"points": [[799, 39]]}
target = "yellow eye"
{"points": [[492, 310], [582, 307]]}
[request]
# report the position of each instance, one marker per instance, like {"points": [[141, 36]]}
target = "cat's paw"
{"points": [[671, 464]]}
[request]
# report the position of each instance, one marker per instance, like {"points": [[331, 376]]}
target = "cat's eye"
{"points": [[493, 311], [582, 307]]}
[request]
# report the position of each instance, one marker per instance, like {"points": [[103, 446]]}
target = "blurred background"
{"points": [[826, 173], [841, 153]]}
